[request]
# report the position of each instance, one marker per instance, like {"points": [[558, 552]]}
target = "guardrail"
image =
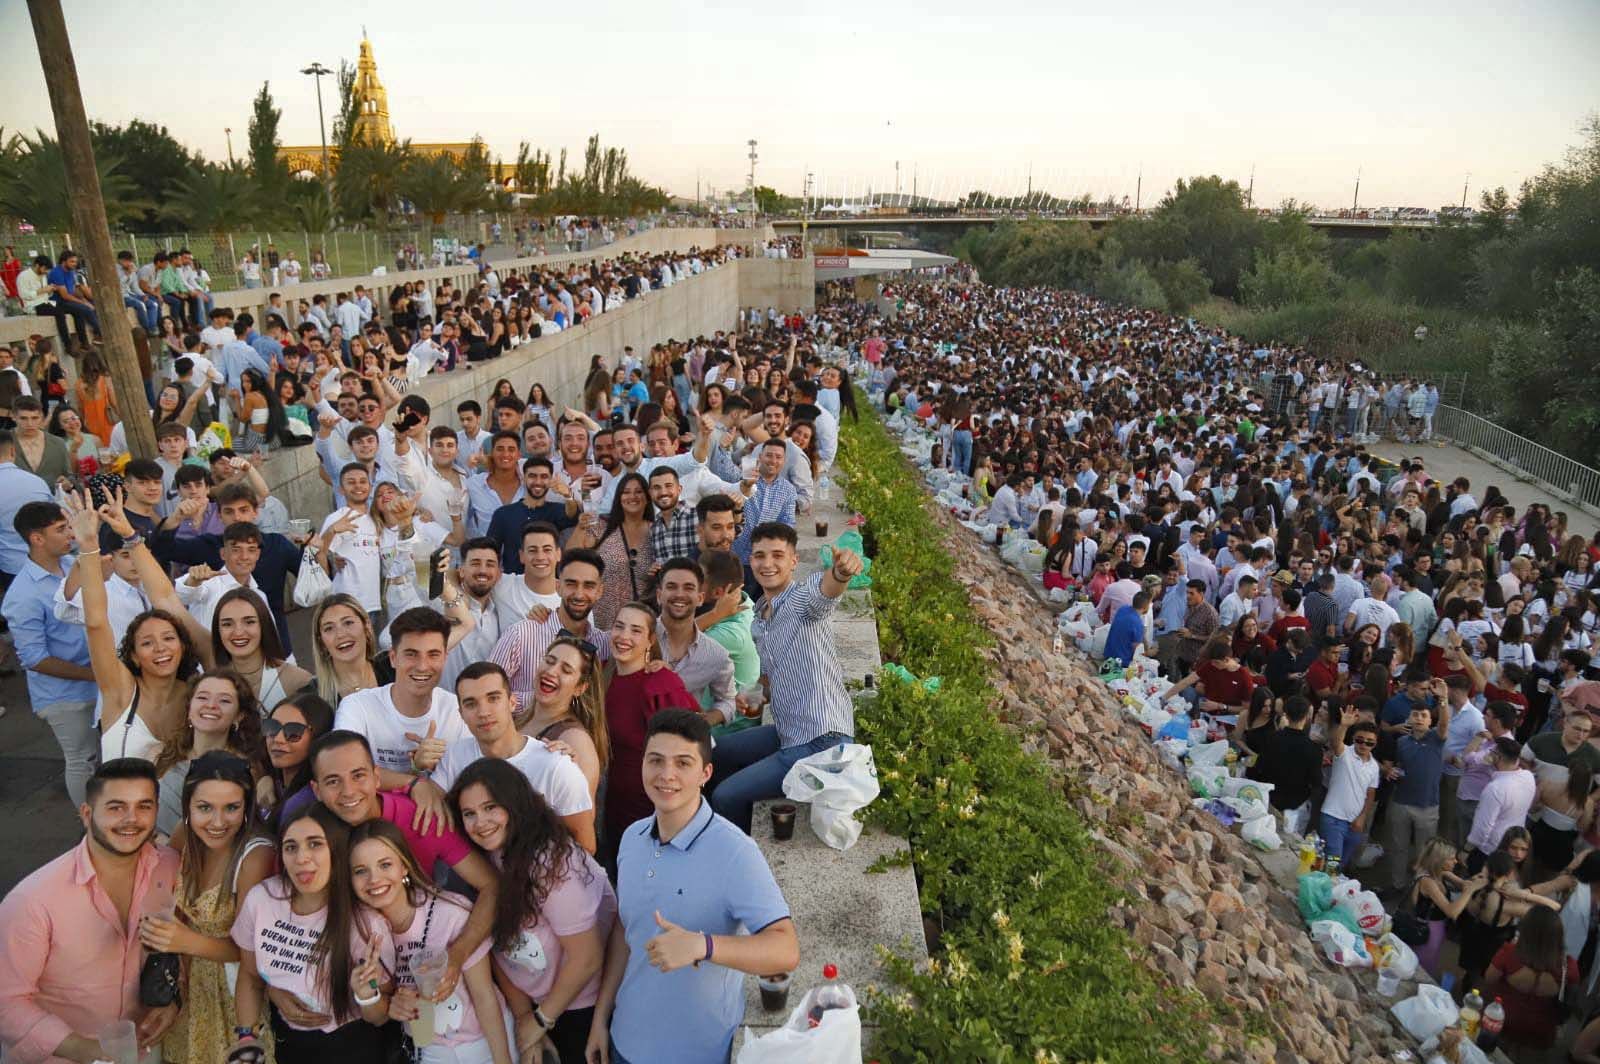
{"points": [[1562, 476]]}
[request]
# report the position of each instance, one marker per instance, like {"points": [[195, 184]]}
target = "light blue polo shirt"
{"points": [[710, 878]]}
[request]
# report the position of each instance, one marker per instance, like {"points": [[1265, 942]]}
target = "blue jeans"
{"points": [[961, 452], [148, 310], [750, 766], [1340, 840]]}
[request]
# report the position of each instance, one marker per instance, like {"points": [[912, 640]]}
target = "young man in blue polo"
{"points": [[687, 881]]}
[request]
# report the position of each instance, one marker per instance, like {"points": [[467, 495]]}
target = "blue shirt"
{"points": [[29, 608], [1174, 608], [1423, 762], [64, 277], [17, 486], [238, 356], [794, 634], [506, 526], [483, 501], [709, 878], [1127, 632]]}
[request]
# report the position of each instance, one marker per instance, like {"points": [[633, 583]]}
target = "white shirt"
{"points": [[1369, 610], [372, 713], [556, 777], [1348, 783], [202, 600], [513, 598], [216, 338], [1233, 607], [362, 573], [124, 602]]}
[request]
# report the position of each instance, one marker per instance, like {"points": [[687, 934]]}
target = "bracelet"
{"points": [[240, 1033], [130, 542], [88, 553], [366, 1003], [541, 1019], [707, 957]]}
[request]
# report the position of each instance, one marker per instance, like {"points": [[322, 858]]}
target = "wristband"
{"points": [[130, 542], [541, 1019], [241, 1033], [377, 996], [418, 778], [707, 957]]}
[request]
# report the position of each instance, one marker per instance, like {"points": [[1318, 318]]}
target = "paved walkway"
{"points": [[1446, 462]]}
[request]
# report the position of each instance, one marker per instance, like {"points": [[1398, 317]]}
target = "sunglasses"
{"points": [[291, 732], [1366, 742]]}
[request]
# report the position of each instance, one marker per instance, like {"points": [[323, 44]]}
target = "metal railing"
{"points": [[1560, 475]]}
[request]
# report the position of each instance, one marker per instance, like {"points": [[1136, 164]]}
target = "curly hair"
{"points": [[245, 738], [188, 662]]}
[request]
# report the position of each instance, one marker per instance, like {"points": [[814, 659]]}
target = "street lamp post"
{"points": [[227, 131], [317, 70]]}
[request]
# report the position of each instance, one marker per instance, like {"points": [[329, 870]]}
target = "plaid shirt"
{"points": [[674, 538]]}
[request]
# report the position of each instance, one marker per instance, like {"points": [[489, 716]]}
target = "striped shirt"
{"points": [[521, 650], [772, 500], [800, 662]]}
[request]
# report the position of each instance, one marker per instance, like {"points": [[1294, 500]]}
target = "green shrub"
{"points": [[1030, 966]]}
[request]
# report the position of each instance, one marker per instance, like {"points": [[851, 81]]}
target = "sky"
{"points": [[962, 96]]}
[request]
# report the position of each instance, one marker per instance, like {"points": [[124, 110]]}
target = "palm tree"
{"points": [[214, 198], [441, 184], [33, 182], [367, 183], [309, 209]]}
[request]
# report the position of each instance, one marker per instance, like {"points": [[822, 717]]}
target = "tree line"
{"points": [[153, 183], [1510, 298]]}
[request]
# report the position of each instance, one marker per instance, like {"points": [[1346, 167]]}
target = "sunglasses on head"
{"points": [[291, 732]]}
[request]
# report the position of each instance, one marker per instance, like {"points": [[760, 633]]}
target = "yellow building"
{"points": [[373, 124]]}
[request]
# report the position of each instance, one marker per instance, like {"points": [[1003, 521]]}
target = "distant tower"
{"points": [[372, 123]]}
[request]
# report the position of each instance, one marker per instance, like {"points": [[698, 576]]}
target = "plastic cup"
{"points": [[427, 968], [300, 526], [774, 991], [755, 697], [822, 529], [783, 822], [119, 1042], [1388, 982]]}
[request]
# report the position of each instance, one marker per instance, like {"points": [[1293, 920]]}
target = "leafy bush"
{"points": [[1029, 967], [1286, 277]]}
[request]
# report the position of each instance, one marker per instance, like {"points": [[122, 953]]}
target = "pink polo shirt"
{"points": [[68, 964]]}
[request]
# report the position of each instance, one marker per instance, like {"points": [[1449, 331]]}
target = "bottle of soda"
{"points": [[830, 995], [1494, 1021], [1471, 1014]]}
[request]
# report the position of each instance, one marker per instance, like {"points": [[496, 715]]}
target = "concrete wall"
{"points": [[694, 307], [254, 300]]}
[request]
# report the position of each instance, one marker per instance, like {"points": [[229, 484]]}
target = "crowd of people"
{"points": [[504, 778], [1406, 661]]}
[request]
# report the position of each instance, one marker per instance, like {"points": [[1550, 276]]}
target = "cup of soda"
{"points": [[783, 822], [822, 529], [774, 991]]}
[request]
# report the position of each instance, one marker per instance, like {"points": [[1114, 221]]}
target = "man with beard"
{"points": [[575, 469], [672, 533], [58, 990], [345, 779], [633, 460], [701, 663], [582, 578], [535, 505], [476, 581]]}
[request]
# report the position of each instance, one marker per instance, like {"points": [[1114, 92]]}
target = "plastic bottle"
{"points": [[1471, 1014], [830, 995], [1308, 853], [1494, 1020]]}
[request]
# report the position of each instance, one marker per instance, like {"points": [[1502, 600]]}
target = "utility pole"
{"points": [[89, 215], [805, 210], [227, 131], [317, 70], [897, 178], [1356, 199], [1464, 185], [752, 177], [1250, 193], [1138, 189]]}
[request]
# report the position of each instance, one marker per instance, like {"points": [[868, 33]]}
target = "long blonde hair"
{"points": [[327, 677]]}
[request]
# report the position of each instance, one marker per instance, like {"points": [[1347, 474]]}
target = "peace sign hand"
{"points": [[115, 517], [367, 976]]}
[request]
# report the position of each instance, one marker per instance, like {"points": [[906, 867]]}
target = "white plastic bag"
{"points": [[1295, 821], [1079, 613], [1206, 781], [312, 583], [1262, 833], [1341, 945], [835, 1040], [1248, 808], [1426, 1014], [1365, 909], [1468, 1053], [1095, 645], [1208, 753], [1243, 787], [1399, 958], [836, 782]]}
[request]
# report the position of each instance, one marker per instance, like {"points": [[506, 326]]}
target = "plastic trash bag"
{"points": [[836, 1039], [900, 672], [850, 541], [1243, 787], [1365, 909], [1341, 945], [1296, 821], [1428, 1013], [1396, 956], [1262, 833], [1314, 897], [836, 782], [1206, 781], [1208, 753], [1248, 808]]}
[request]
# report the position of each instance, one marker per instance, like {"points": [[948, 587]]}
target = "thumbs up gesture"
{"points": [[429, 749], [675, 947]]}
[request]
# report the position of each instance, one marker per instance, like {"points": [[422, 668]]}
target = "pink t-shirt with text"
{"points": [[455, 1020], [281, 941], [582, 900]]}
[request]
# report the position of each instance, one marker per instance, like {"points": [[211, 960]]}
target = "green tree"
{"points": [[271, 176], [1204, 219], [1547, 372], [33, 180], [214, 198], [440, 184], [152, 161], [770, 201], [1434, 268], [367, 184], [1283, 277], [1183, 284], [344, 120]]}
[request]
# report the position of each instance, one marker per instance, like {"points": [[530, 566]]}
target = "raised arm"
{"points": [[112, 676]]}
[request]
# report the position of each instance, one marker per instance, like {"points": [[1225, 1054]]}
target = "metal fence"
{"points": [[1556, 472]]}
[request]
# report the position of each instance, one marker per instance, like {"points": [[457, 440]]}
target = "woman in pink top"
{"points": [[300, 938], [471, 1023], [549, 936]]}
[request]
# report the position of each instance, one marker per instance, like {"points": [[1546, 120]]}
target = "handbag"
{"points": [[1408, 927], [159, 978]]}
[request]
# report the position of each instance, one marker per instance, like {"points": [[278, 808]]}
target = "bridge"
{"points": [[1334, 225]]}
